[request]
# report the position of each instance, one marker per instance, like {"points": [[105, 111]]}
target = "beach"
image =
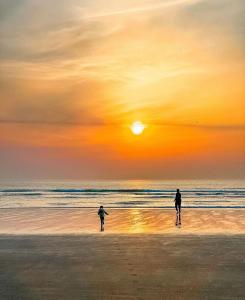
{"points": [[60, 254], [121, 221], [122, 267]]}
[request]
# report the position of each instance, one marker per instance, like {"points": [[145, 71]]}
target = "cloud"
{"points": [[216, 19], [86, 123], [41, 102], [151, 6], [62, 63], [43, 31]]}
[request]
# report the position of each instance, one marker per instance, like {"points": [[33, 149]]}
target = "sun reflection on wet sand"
{"points": [[84, 221], [137, 223]]}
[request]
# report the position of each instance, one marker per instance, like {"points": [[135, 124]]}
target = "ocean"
{"points": [[122, 194]]}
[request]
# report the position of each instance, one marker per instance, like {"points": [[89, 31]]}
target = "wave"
{"points": [[136, 191], [17, 190], [107, 190], [122, 196], [22, 194]]}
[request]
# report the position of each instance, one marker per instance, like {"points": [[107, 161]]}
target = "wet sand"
{"points": [[60, 254], [80, 221]]}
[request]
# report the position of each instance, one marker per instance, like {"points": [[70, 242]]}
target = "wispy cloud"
{"points": [[100, 123], [86, 123], [140, 9]]}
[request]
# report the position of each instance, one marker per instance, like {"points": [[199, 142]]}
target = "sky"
{"points": [[74, 75]]}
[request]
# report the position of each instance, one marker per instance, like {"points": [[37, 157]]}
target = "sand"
{"points": [[60, 254], [135, 266], [80, 221]]}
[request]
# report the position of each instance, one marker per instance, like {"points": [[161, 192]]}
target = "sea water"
{"points": [[122, 194]]}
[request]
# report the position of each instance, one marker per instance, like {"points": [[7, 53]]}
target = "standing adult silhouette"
{"points": [[178, 207]]}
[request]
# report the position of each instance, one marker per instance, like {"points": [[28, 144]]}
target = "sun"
{"points": [[137, 127]]}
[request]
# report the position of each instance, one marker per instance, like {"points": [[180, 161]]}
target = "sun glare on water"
{"points": [[137, 127]]}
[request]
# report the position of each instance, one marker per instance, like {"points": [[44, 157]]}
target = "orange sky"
{"points": [[74, 76]]}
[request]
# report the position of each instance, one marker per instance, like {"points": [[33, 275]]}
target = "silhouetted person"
{"points": [[101, 213], [178, 207]]}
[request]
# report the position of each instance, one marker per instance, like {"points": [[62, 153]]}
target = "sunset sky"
{"points": [[74, 76]]}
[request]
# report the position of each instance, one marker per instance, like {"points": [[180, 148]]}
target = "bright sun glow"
{"points": [[137, 127]]}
